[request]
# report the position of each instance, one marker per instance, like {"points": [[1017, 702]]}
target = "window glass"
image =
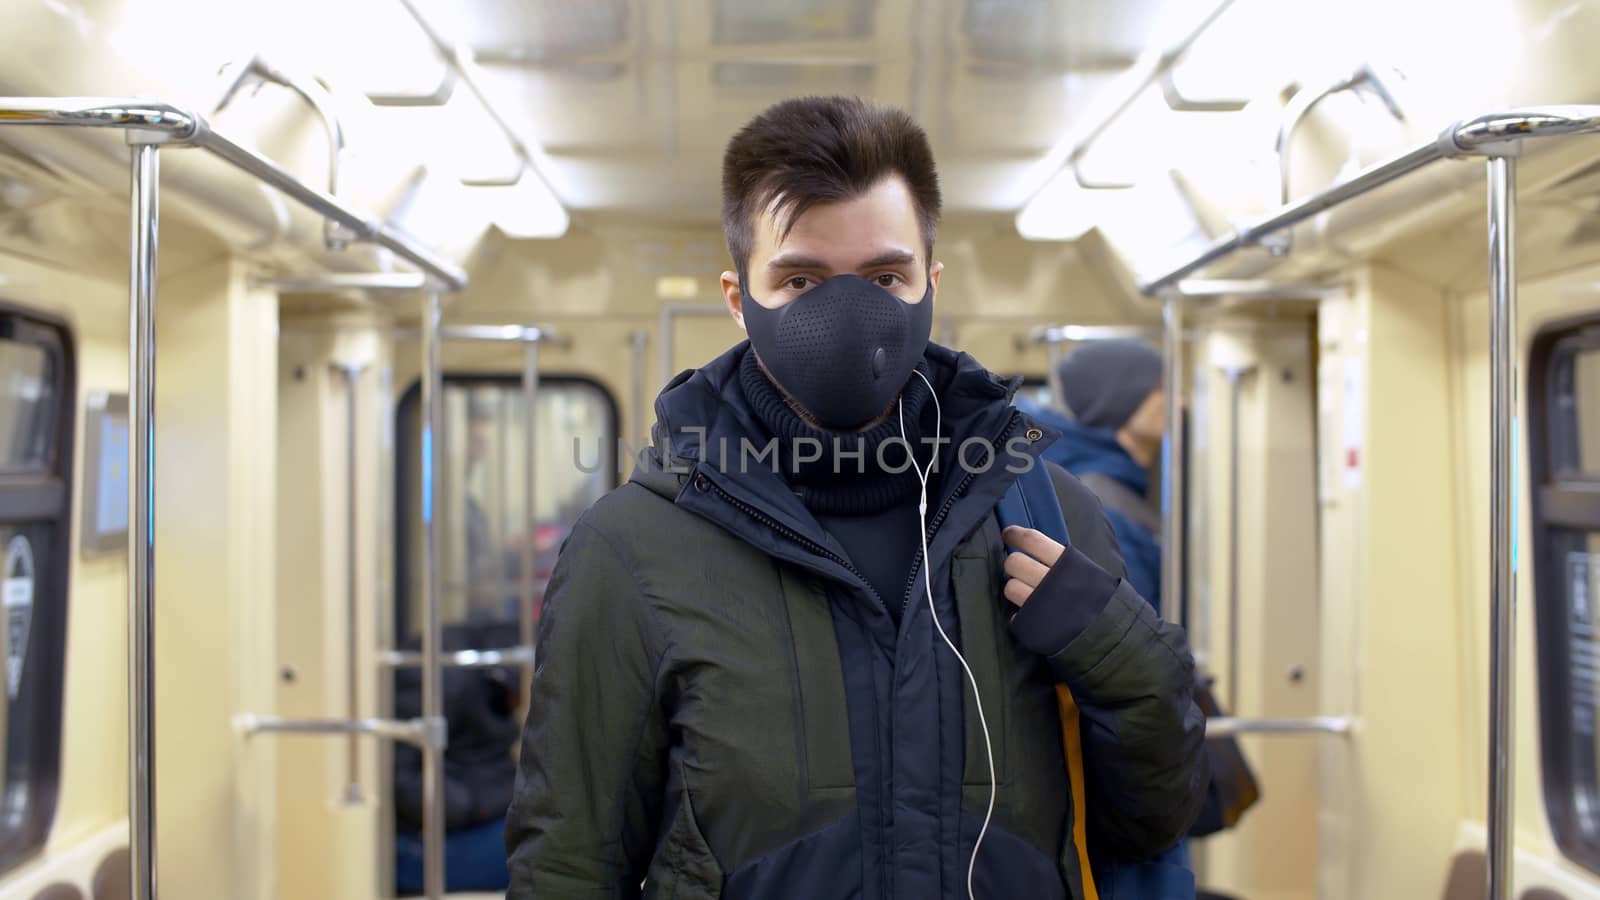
{"points": [[1580, 575], [1564, 395], [1586, 418], [22, 548], [34, 528], [483, 521], [29, 396]]}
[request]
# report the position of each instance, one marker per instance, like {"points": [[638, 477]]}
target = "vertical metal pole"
{"points": [[1172, 463], [432, 680], [1052, 350], [1235, 376], [1502, 517], [665, 343], [638, 339], [530, 406], [145, 183], [502, 507], [384, 575], [352, 380], [455, 577]]}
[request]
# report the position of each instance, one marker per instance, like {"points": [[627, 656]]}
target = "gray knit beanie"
{"points": [[1104, 382]]}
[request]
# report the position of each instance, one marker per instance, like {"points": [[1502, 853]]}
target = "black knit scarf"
{"points": [[859, 472]]}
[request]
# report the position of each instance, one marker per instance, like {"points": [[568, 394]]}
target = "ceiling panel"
{"points": [[634, 99], [778, 21], [1059, 33], [788, 78], [547, 30]]}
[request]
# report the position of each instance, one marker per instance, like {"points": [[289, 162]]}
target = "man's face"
{"points": [[874, 235], [1149, 422]]}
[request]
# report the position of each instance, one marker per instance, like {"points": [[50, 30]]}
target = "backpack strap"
{"points": [[1031, 502]]}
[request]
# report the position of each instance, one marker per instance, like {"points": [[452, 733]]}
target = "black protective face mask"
{"points": [[842, 350]]}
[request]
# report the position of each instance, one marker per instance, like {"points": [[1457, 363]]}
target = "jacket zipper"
{"points": [[911, 580], [798, 538], [939, 516], [916, 569]]}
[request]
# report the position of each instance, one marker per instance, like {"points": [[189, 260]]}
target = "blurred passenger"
{"points": [[479, 766], [1111, 437], [742, 689], [483, 574]]}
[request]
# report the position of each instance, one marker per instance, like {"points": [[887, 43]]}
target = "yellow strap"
{"points": [[1073, 746]]}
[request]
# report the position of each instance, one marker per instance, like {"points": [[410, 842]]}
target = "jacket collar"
{"points": [[700, 409], [702, 417]]}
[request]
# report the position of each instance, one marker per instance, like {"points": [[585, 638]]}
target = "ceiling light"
{"points": [[1062, 211], [526, 209]]}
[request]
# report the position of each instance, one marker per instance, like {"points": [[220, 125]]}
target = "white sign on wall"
{"points": [[16, 597], [1353, 426]]}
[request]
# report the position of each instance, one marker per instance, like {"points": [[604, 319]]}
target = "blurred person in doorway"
{"points": [[1112, 429]]}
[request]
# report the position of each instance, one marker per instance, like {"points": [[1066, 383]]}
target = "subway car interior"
{"points": [[321, 325]]}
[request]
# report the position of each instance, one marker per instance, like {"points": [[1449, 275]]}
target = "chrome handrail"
{"points": [[1082, 334], [417, 732], [1483, 136], [155, 123], [1229, 726], [462, 659]]}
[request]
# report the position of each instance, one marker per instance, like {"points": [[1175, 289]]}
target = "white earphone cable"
{"points": [[927, 580]]}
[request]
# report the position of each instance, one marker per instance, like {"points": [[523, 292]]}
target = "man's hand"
{"points": [[1028, 568]]}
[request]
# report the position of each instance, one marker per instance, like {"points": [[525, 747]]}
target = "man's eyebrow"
{"points": [[795, 261], [896, 257]]}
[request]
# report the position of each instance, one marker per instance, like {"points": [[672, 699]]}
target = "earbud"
{"points": [[927, 580]]}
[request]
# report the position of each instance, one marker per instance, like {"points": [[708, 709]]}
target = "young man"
{"points": [[742, 690]]}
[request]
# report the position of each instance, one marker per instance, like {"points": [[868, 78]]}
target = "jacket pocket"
{"points": [[821, 712], [975, 584], [684, 867]]}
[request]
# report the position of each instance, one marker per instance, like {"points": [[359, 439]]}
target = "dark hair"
{"points": [[810, 150]]}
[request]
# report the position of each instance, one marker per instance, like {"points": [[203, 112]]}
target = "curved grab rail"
{"points": [[1300, 106], [320, 99], [1305, 100]]}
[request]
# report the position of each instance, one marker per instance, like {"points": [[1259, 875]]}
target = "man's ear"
{"points": [[733, 297], [933, 278]]}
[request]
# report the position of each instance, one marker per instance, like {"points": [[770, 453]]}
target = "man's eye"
{"points": [[888, 280], [798, 283]]}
